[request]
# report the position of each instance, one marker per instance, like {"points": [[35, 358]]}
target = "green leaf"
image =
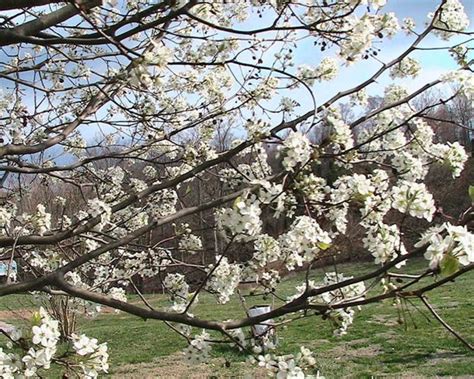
{"points": [[324, 246], [449, 265], [234, 204], [36, 319], [471, 193]]}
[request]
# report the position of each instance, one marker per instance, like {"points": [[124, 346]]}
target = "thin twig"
{"points": [[445, 324]]}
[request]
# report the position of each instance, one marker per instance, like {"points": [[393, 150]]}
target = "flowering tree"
{"points": [[115, 109]]}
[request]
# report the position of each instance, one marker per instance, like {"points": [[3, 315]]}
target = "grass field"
{"points": [[377, 344]]}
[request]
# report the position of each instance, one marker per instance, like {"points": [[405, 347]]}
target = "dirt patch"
{"points": [[442, 357], [26, 313], [16, 314], [387, 335], [171, 366], [359, 341], [448, 305], [174, 366], [388, 320], [348, 353]]}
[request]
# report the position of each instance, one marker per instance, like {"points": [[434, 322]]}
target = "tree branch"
{"points": [[6, 5], [445, 324], [31, 28]]}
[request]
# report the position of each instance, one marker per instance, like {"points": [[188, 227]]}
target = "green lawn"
{"points": [[377, 343]]}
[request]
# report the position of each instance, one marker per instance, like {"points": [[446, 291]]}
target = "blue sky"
{"points": [[434, 63]]}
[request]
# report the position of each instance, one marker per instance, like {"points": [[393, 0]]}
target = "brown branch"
{"points": [[98, 38], [95, 297], [140, 295], [302, 303], [6, 5], [445, 324], [43, 22]]}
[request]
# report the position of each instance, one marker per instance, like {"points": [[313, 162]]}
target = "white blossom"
{"points": [[452, 155], [413, 199], [384, 242], [199, 349], [303, 241], [451, 18], [98, 208], [408, 67], [225, 278], [243, 219], [296, 150], [327, 69], [41, 220]]}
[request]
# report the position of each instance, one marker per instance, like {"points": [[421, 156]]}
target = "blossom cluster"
{"points": [[188, 241], [327, 70], [413, 199], [384, 242], [303, 241], [452, 155], [408, 67], [341, 134], [224, 279], [178, 289], [342, 317], [42, 351], [447, 240], [243, 219], [199, 348], [41, 220], [296, 150], [288, 366], [257, 169], [363, 32], [451, 18], [170, 102], [93, 356]]}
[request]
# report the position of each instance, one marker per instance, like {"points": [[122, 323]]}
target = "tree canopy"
{"points": [[196, 145]]}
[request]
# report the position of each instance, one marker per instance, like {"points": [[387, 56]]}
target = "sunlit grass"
{"points": [[378, 343]]}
